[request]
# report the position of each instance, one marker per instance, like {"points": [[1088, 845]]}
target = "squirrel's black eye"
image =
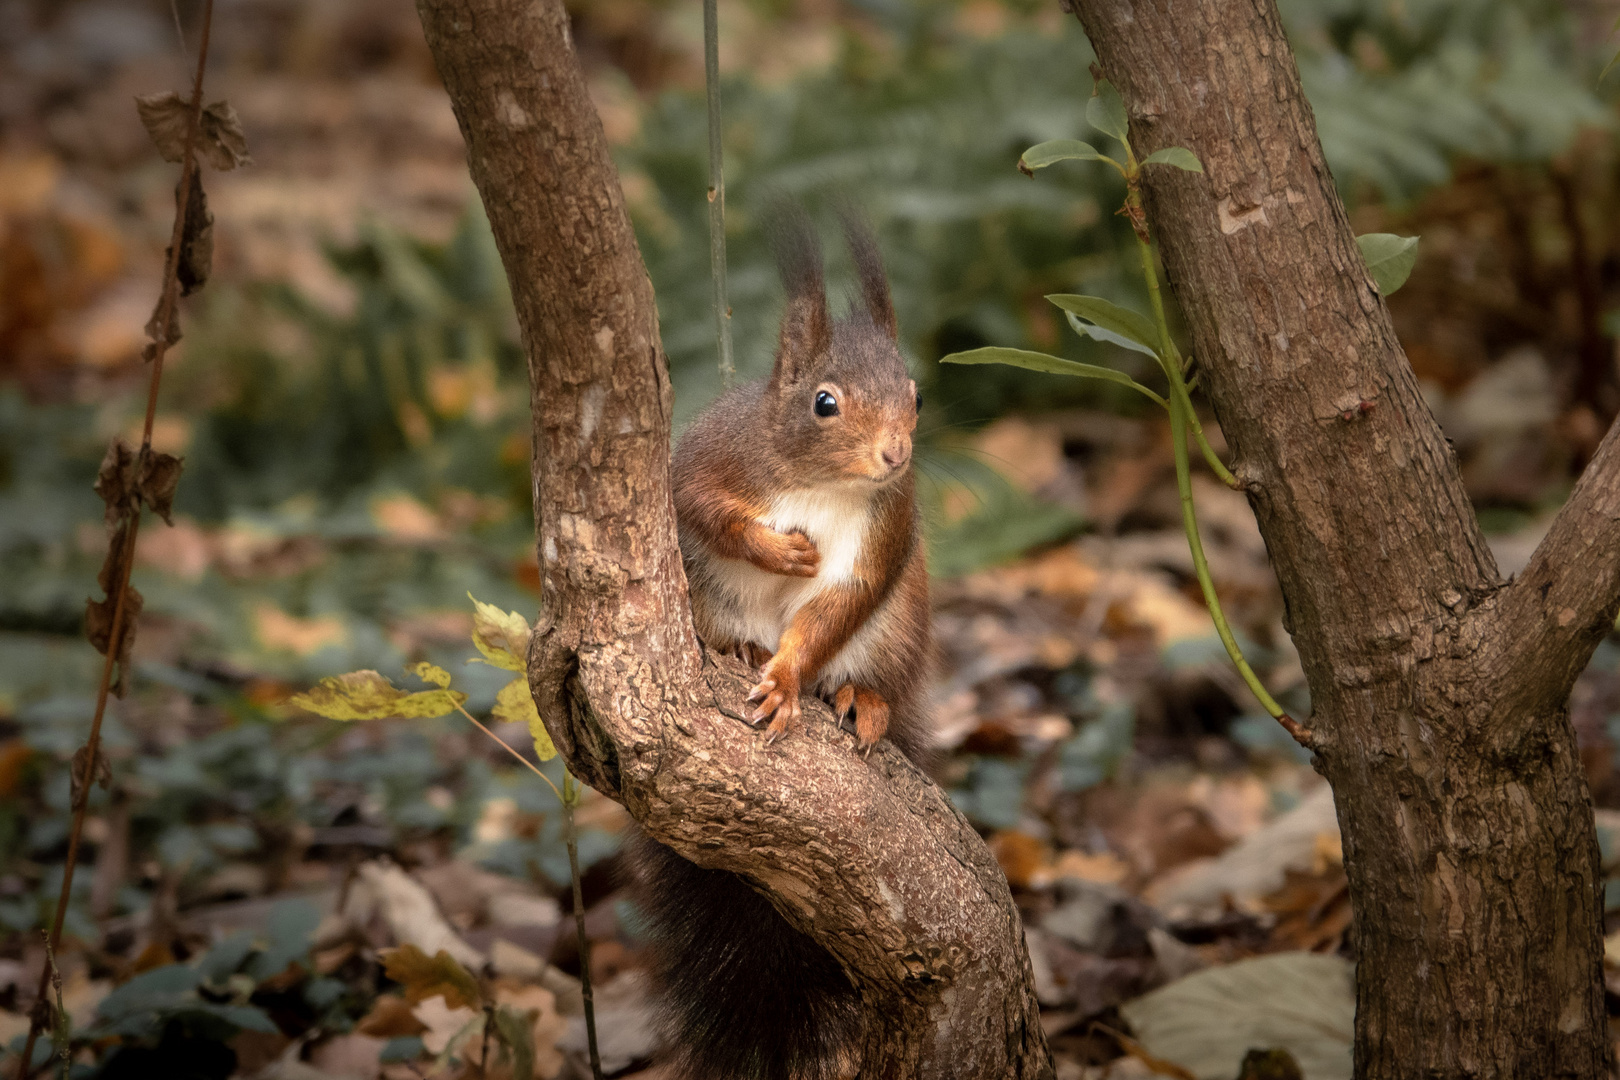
{"points": [[826, 404], [919, 401]]}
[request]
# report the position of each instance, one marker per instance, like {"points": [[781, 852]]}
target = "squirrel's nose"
{"points": [[897, 452]]}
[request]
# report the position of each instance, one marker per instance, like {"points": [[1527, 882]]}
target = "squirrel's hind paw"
{"points": [[871, 714]]}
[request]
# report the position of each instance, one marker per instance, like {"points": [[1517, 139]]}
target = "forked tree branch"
{"points": [[866, 856], [1556, 612]]}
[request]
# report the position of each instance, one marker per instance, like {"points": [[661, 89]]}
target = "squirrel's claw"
{"points": [[843, 701], [758, 693], [871, 719]]}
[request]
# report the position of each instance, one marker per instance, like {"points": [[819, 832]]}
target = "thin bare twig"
{"points": [[120, 587]]}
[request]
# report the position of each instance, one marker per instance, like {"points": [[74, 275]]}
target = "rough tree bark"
{"points": [[1438, 691], [866, 856]]}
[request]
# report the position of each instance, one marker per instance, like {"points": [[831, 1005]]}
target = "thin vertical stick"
{"points": [[165, 323], [570, 797], [717, 192]]}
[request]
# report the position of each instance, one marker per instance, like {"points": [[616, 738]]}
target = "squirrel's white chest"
{"points": [[836, 519]]}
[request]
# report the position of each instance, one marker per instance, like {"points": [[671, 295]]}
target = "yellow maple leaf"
{"points": [[424, 976], [432, 673], [515, 705], [502, 636], [366, 695]]}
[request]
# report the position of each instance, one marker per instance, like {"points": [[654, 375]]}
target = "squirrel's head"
{"points": [[844, 406]]}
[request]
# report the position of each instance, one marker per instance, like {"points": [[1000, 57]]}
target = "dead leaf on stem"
{"points": [[167, 116], [81, 762], [159, 475], [116, 484], [196, 241], [98, 614], [126, 479]]}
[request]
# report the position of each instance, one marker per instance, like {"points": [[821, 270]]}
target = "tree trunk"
{"points": [[1438, 691], [866, 856]]}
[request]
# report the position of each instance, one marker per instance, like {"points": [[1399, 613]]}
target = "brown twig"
{"points": [[119, 588]]}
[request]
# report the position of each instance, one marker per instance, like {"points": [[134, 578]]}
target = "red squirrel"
{"points": [[803, 551], [798, 517]]}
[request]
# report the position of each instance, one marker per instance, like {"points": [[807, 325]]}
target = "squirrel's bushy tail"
{"points": [[745, 996]]}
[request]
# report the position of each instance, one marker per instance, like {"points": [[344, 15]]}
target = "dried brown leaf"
{"points": [[115, 483], [196, 241], [98, 620], [114, 486], [159, 475], [424, 977], [222, 140], [391, 1017], [81, 762], [167, 116]]}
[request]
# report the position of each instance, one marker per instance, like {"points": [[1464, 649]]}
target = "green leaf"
{"points": [[1053, 151], [366, 695], [1390, 259], [1106, 112], [1097, 333], [1052, 365], [515, 705], [1112, 317], [502, 636], [1179, 156]]}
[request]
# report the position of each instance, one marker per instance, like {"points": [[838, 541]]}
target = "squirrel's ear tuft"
{"points": [[805, 328], [869, 266]]}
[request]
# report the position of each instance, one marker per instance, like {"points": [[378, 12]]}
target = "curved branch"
{"points": [[866, 856], [1554, 614]]}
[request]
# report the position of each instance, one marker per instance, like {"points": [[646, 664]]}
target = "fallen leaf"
{"points": [[1302, 1002], [391, 1017], [501, 636], [278, 630], [423, 977], [353, 1056], [404, 518], [1020, 855], [1107, 867], [446, 1026], [366, 695], [167, 117], [383, 890]]}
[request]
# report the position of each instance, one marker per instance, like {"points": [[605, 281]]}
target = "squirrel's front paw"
{"points": [[777, 695], [793, 554]]}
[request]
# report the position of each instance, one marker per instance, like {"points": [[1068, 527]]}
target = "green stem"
{"points": [[1182, 417], [1170, 361], [1189, 521], [570, 799]]}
